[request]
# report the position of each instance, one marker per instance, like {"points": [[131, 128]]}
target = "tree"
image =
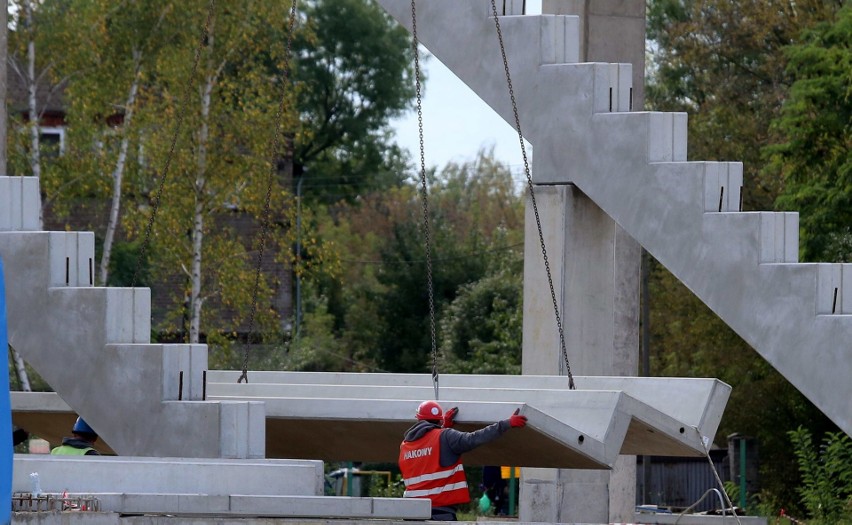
{"points": [[107, 65], [354, 73], [380, 301], [119, 138], [723, 62], [481, 329], [814, 155], [229, 162]]}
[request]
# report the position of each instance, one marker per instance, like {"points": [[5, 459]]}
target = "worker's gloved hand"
{"points": [[450, 417], [516, 420]]}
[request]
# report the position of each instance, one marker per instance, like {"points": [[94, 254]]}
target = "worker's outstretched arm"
{"points": [[457, 443]]}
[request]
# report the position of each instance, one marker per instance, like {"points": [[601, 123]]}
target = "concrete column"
{"points": [[596, 271]]}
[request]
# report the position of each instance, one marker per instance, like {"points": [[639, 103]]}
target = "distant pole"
{"points": [[4, 51]]}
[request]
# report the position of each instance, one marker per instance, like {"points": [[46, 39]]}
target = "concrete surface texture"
{"points": [[597, 285], [633, 165], [203, 487], [316, 415], [91, 345]]}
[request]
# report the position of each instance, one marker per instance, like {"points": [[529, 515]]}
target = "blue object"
{"points": [[6, 458], [81, 427]]}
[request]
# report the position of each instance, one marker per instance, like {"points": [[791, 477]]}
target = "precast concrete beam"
{"points": [[272, 506], [650, 431], [698, 404], [217, 477]]}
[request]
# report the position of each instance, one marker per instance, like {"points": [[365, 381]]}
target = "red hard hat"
{"points": [[429, 411]]}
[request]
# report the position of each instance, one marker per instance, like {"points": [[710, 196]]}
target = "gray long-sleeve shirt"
{"points": [[455, 443]]}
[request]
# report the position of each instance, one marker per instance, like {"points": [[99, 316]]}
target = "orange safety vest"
{"points": [[424, 477]]}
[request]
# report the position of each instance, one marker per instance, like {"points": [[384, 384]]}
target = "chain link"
{"points": [[532, 196], [181, 113], [276, 145], [424, 194]]}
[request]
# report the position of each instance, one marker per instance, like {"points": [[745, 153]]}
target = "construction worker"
{"points": [[81, 444], [430, 456]]}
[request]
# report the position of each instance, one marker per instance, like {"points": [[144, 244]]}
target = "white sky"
{"points": [[456, 123]]}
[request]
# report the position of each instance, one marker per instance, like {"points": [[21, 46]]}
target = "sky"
{"points": [[456, 123]]}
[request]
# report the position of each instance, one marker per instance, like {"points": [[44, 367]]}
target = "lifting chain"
{"points": [[532, 196], [181, 113], [424, 194], [276, 145]]}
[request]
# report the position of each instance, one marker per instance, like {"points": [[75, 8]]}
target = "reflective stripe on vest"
{"points": [[423, 475], [68, 450], [434, 492], [428, 477]]}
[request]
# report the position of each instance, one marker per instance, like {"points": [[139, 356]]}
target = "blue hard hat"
{"points": [[81, 427]]}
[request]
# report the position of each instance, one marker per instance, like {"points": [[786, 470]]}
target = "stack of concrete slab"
{"points": [[581, 122], [338, 416], [362, 417], [203, 486]]}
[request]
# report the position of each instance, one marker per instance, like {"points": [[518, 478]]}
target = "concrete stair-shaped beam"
{"points": [[315, 415], [596, 422], [92, 346], [633, 166], [699, 403]]}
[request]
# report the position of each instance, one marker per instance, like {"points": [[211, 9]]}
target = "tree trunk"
{"points": [[21, 370], [195, 299], [32, 100], [118, 172]]}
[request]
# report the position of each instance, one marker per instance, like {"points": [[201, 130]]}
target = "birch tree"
{"points": [[225, 159]]}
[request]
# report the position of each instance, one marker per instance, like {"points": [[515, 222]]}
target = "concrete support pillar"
{"points": [[596, 271]]}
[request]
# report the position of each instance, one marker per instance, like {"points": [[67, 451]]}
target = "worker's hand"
{"points": [[517, 420], [450, 417]]}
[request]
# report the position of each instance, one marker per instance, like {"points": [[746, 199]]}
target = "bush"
{"points": [[826, 488]]}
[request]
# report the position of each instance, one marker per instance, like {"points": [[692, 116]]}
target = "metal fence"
{"points": [[677, 483]]}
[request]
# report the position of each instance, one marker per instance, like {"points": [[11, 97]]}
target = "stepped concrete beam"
{"points": [[646, 403], [699, 403], [324, 428], [90, 344], [633, 166], [587, 413]]}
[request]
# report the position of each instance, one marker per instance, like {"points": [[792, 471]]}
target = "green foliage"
{"points": [[315, 349], [123, 265], [724, 63], [379, 300], [472, 208], [481, 328], [350, 73], [826, 488], [354, 72], [380, 488], [814, 157]]}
